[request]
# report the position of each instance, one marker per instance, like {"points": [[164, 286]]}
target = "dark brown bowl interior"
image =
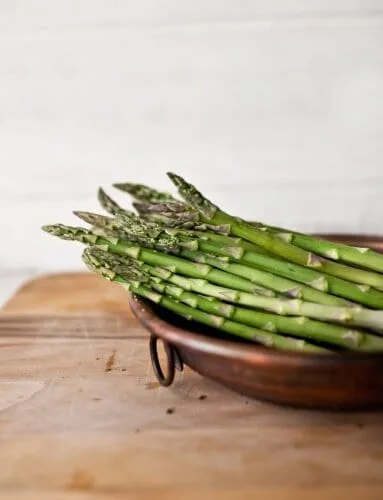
{"points": [[342, 381]]}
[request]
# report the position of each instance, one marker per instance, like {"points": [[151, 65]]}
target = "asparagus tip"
{"points": [[176, 179], [100, 192], [126, 268], [80, 214], [107, 203], [91, 218], [192, 196], [55, 229], [124, 186]]}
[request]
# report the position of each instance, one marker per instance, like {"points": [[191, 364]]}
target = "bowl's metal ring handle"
{"points": [[173, 361]]}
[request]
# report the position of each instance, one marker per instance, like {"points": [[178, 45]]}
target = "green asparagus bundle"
{"points": [[186, 243], [279, 288]]}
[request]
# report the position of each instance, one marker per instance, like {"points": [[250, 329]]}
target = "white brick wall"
{"points": [[273, 108]]}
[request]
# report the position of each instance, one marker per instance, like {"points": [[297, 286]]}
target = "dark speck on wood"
{"points": [[110, 361]]}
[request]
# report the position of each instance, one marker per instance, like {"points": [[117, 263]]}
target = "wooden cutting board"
{"points": [[82, 417]]}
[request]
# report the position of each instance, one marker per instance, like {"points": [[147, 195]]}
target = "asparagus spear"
{"points": [[283, 286], [210, 213], [144, 193], [176, 286], [359, 256], [357, 316], [131, 225], [269, 339], [137, 230], [108, 204], [96, 220]]}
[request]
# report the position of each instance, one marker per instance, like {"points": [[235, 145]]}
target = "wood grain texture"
{"points": [[83, 418], [49, 295], [273, 493]]}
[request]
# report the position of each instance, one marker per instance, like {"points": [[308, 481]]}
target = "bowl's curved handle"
{"points": [[173, 361]]}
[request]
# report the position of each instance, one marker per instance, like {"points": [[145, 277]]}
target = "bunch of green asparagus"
{"points": [[283, 289]]}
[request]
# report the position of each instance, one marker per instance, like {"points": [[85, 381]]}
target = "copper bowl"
{"points": [[346, 381]]}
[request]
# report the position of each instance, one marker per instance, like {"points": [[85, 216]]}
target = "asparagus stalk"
{"points": [[137, 230], [210, 213], [358, 256], [227, 241], [362, 294], [363, 257], [269, 339], [351, 339], [317, 331], [173, 285], [364, 318], [357, 316], [283, 286]]}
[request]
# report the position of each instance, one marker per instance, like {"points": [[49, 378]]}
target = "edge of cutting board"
{"points": [[67, 292]]}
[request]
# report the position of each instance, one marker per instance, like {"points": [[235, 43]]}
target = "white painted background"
{"points": [[274, 108]]}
